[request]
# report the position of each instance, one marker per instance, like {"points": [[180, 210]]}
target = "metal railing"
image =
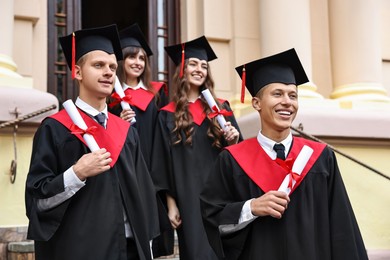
{"points": [[339, 152], [15, 122]]}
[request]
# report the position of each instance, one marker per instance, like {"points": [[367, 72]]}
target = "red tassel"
{"points": [[73, 56], [243, 84], [182, 61]]}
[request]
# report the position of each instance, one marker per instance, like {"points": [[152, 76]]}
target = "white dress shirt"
{"points": [[267, 145], [139, 85]]}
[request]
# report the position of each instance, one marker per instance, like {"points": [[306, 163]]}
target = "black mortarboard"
{"points": [[79, 43], [133, 36], [197, 48], [284, 67]]}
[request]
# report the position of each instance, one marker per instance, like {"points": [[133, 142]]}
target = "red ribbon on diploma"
{"points": [[118, 99], [77, 130], [287, 165], [217, 112]]}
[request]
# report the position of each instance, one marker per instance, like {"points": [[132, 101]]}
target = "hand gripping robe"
{"points": [[90, 224], [319, 222]]}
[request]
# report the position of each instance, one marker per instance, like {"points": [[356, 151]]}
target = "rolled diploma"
{"points": [[78, 120], [210, 100], [119, 90], [300, 163]]}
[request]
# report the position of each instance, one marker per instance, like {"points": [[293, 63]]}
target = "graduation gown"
{"points": [[90, 224], [319, 222], [181, 170], [146, 108]]}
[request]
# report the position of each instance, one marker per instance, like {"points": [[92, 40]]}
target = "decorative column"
{"points": [[7, 65], [356, 50], [285, 25]]}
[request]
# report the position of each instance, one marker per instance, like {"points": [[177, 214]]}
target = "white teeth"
{"points": [[287, 113]]}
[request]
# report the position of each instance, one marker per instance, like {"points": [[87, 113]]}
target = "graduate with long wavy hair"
{"points": [[187, 141]]}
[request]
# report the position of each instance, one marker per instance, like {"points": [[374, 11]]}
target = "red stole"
{"points": [[264, 171], [112, 138], [141, 97], [196, 109]]}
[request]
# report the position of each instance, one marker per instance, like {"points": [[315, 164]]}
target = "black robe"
{"points": [[319, 222], [90, 224], [146, 107], [181, 171]]}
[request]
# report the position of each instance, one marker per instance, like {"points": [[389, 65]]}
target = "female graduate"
{"points": [[144, 96], [186, 143]]}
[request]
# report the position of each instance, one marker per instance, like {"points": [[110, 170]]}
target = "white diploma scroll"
{"points": [[300, 163], [210, 100], [78, 120], [119, 90]]}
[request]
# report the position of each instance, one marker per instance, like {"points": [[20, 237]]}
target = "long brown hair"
{"points": [[183, 118]]}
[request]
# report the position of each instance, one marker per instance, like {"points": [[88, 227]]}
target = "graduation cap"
{"points": [[79, 43], [284, 67], [197, 48], [133, 36]]}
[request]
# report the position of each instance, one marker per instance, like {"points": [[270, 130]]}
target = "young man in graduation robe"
{"points": [[248, 213], [83, 204]]}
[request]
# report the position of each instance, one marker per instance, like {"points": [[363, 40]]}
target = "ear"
{"points": [[78, 74], [256, 103]]}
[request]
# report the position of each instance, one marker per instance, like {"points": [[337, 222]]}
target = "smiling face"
{"points": [[277, 104], [196, 72], [95, 72], [134, 66]]}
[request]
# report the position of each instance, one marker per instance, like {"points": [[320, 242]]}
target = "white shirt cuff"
{"points": [[72, 184], [71, 180], [246, 212]]}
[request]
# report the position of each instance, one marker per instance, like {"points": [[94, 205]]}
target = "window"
{"points": [[159, 20]]}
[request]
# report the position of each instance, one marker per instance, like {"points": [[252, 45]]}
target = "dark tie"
{"points": [[279, 148], [101, 118]]}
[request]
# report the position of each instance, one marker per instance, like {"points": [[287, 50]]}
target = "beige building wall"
{"points": [[23, 73], [12, 195]]}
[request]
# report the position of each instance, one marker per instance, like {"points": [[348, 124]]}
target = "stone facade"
{"points": [[13, 244]]}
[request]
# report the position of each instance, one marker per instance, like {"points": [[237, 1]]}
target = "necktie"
{"points": [[279, 148], [101, 118]]}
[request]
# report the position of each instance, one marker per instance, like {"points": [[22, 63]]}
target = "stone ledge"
{"points": [[340, 118], [331, 118], [13, 234], [378, 254], [21, 247]]}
